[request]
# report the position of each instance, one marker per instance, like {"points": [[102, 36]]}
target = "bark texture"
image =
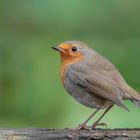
{"points": [[69, 134]]}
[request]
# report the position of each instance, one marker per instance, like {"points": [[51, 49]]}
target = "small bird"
{"points": [[93, 80]]}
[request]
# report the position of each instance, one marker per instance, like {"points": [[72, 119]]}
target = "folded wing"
{"points": [[105, 89]]}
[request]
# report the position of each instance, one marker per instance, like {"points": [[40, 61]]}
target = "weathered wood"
{"points": [[67, 134]]}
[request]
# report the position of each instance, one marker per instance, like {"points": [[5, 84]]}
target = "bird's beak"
{"points": [[58, 49]]}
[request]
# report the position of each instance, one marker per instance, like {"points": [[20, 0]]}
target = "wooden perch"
{"points": [[69, 134]]}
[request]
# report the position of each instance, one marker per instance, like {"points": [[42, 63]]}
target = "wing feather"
{"points": [[104, 89]]}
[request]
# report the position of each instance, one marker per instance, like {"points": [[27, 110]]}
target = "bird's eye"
{"points": [[74, 49]]}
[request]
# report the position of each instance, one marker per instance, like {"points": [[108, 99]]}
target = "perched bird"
{"points": [[92, 79]]}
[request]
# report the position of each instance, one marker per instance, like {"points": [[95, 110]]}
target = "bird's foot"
{"points": [[98, 124], [83, 127]]}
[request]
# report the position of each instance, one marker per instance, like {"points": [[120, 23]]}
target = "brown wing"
{"points": [[99, 77], [104, 89], [108, 70]]}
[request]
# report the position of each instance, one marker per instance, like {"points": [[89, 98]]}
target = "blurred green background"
{"points": [[31, 93]]}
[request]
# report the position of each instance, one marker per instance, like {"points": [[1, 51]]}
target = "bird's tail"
{"points": [[135, 102], [134, 96]]}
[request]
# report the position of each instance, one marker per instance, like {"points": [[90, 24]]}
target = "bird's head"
{"points": [[72, 51]]}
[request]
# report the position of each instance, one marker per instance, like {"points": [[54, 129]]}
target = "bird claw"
{"points": [[99, 124], [83, 127]]}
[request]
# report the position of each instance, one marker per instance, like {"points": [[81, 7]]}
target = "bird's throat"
{"points": [[68, 60]]}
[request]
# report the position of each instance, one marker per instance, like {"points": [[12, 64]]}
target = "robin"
{"points": [[93, 80]]}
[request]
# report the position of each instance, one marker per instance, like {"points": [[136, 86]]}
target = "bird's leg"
{"points": [[97, 122], [83, 125]]}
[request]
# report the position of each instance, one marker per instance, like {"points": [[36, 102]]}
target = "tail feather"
{"points": [[136, 103], [134, 96]]}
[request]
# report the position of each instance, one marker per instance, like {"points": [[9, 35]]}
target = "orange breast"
{"points": [[67, 60]]}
